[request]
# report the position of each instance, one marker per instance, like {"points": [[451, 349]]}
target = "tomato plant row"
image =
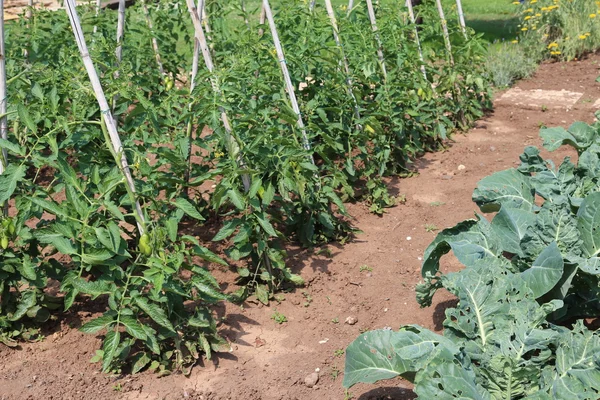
{"points": [[225, 161]]}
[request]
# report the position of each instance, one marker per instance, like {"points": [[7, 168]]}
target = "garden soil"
{"points": [[365, 284]]}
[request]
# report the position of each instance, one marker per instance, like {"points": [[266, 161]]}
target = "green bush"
{"points": [[507, 63]]}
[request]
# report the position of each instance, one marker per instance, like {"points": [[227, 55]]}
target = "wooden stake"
{"points": [[28, 14], [98, 5], [120, 29], [119, 50], [232, 144], [196, 58], [261, 21], [375, 29], [115, 140], [417, 40], [243, 5], [461, 17], [445, 29], [3, 97], [154, 41], [338, 42], [286, 76]]}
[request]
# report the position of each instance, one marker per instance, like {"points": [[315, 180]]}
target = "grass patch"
{"points": [[495, 19]]}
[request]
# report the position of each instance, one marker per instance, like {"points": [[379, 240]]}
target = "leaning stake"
{"points": [[461, 17], [233, 146], [338, 42], [3, 94], [445, 29], [286, 76], [115, 140], [154, 41], [411, 14], [375, 29]]}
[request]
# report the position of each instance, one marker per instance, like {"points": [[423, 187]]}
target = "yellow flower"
{"points": [[582, 37], [592, 16], [538, 15], [587, 34], [527, 18], [553, 45], [555, 53], [523, 29], [516, 3], [529, 10], [533, 1], [515, 41]]}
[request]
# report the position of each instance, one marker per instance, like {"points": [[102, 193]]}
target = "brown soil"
{"points": [[371, 279]]}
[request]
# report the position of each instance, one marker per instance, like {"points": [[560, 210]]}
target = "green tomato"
{"points": [[168, 83], [144, 245], [4, 242]]}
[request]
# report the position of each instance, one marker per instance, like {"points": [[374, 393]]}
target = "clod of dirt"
{"points": [[311, 380], [351, 320]]}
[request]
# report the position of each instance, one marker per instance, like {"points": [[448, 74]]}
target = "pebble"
{"points": [[461, 167], [311, 380], [408, 238], [351, 320]]}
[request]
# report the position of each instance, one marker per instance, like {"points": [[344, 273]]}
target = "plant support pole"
{"points": [[413, 20], [154, 41], [461, 17], [445, 29], [119, 50], [3, 99], [233, 146], [115, 140], [261, 21], [286, 76], [338, 42], [350, 6], [375, 29]]}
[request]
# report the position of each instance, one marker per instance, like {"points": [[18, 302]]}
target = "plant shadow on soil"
{"points": [[388, 393]]}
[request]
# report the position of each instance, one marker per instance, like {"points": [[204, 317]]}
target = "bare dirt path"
{"points": [[371, 279]]}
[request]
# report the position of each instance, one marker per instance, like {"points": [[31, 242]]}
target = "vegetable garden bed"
{"points": [[147, 289]]}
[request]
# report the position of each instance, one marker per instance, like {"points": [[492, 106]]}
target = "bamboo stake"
{"points": [[232, 144], [120, 29], [375, 29], [98, 5], [196, 58], [312, 5], [154, 41], [261, 21], [445, 30], [338, 42], [286, 76], [3, 100], [350, 6], [113, 135], [119, 49], [243, 5], [417, 40], [461, 17], [28, 14]]}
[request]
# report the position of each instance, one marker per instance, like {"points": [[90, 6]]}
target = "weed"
{"points": [[279, 317], [436, 204], [335, 320], [365, 267], [431, 227], [339, 352]]}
